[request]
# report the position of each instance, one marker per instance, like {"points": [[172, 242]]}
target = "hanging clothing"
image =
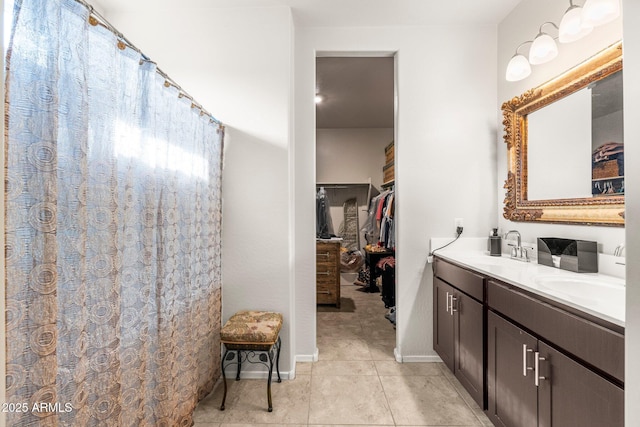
{"points": [[387, 270], [324, 229], [387, 228]]}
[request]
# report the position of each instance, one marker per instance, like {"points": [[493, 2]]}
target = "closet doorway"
{"points": [[355, 200]]}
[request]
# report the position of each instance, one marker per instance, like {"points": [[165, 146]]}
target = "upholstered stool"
{"points": [[251, 336]]}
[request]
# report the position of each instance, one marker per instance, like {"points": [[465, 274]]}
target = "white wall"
{"points": [[351, 155], [520, 25], [237, 63], [445, 157], [632, 170]]}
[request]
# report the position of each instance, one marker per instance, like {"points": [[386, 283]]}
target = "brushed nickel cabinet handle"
{"points": [[453, 299], [525, 368], [447, 307], [326, 273], [324, 292], [536, 370], [324, 254]]}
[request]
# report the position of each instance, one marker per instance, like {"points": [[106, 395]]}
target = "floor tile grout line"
{"points": [[473, 410], [386, 398]]}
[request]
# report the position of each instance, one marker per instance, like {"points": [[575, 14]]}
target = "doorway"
{"points": [[355, 199]]}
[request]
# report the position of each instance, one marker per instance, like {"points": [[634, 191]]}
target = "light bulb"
{"points": [[599, 12], [518, 68], [572, 27], [318, 99], [543, 49]]}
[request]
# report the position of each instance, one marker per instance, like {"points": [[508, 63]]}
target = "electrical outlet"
{"points": [[459, 222]]}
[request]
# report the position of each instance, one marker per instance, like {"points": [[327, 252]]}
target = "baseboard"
{"points": [[308, 357], [415, 359]]}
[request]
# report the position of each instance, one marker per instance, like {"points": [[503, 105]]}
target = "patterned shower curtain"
{"points": [[113, 231]]}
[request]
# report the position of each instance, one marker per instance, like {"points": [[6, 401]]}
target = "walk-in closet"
{"points": [[355, 201]]}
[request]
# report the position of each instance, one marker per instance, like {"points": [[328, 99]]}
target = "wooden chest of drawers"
{"points": [[328, 272]]}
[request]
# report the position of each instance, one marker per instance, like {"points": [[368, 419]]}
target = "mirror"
{"points": [[565, 146]]}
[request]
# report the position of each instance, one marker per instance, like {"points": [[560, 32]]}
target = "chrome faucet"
{"points": [[517, 251], [619, 251]]}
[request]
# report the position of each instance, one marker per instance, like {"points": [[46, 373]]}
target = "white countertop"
{"points": [[597, 294]]}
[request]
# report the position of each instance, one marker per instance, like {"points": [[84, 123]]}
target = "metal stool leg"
{"points": [[278, 343], [224, 380], [239, 365], [270, 354]]}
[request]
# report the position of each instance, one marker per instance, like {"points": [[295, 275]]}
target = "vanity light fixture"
{"points": [[544, 47], [576, 23], [519, 67], [599, 12], [572, 26]]}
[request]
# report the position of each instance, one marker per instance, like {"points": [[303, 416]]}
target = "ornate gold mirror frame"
{"points": [[601, 210]]}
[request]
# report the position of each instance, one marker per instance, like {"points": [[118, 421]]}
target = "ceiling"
{"points": [[340, 13], [356, 92]]}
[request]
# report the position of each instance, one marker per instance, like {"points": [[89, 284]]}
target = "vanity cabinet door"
{"points": [[469, 345], [571, 395], [512, 395], [443, 319]]}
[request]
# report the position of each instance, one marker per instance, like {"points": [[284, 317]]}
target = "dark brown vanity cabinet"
{"points": [[458, 319], [532, 382]]}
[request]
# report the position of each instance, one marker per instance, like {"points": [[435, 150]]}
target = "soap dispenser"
{"points": [[495, 243]]}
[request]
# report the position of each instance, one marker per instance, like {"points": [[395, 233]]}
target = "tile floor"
{"points": [[356, 381]]}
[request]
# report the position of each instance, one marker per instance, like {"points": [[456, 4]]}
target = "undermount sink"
{"points": [[578, 288]]}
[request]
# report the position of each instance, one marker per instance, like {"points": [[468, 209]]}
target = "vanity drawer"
{"points": [[468, 282], [596, 345]]}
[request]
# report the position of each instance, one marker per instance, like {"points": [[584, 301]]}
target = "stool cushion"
{"points": [[252, 327]]}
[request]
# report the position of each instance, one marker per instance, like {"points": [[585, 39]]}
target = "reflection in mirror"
{"points": [[575, 144], [607, 136]]}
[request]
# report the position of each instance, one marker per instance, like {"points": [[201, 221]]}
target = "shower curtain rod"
{"points": [[95, 18]]}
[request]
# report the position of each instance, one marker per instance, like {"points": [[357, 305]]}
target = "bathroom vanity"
{"points": [[533, 345]]}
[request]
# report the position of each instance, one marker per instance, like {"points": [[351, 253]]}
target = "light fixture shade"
{"points": [[572, 27], [543, 49], [518, 68], [599, 12]]}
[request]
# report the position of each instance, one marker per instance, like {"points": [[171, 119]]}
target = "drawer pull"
{"points": [[327, 254], [326, 273], [324, 292], [536, 370], [453, 299], [525, 368]]}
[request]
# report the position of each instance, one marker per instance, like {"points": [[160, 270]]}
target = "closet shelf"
{"points": [[373, 191], [388, 184]]}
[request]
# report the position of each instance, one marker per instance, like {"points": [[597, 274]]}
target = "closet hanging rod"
{"points": [[332, 187], [95, 18]]}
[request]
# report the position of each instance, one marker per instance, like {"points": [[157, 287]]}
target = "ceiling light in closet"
{"points": [[318, 99], [598, 12], [572, 26]]}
